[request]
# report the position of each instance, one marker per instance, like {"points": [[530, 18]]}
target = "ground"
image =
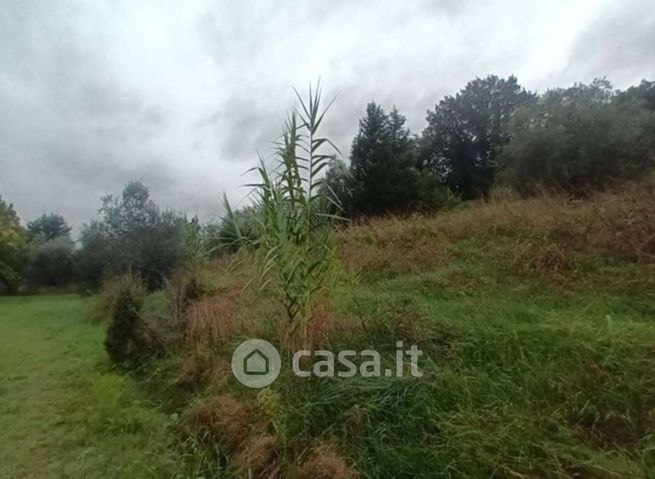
{"points": [[64, 412], [535, 316]]}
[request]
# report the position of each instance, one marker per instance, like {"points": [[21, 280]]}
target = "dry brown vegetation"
{"points": [[325, 463], [215, 318], [225, 418], [538, 232], [259, 457]]}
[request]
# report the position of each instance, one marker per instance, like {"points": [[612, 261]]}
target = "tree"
{"points": [[132, 234], [51, 252], [12, 247], [466, 132], [579, 138], [51, 262], [644, 93], [384, 165], [49, 227]]}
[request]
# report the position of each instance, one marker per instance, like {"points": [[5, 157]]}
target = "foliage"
{"points": [[193, 244], [51, 262], [48, 227], [384, 166], [643, 93], [12, 247], [466, 131], [227, 235], [125, 338], [579, 138], [292, 240], [181, 289], [132, 233], [339, 183], [51, 252]]}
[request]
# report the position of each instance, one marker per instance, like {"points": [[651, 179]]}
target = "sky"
{"points": [[183, 95]]}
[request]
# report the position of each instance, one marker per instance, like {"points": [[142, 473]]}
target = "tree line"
{"points": [[492, 132], [495, 132]]}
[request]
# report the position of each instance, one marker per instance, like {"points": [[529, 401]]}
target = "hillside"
{"points": [[535, 318]]}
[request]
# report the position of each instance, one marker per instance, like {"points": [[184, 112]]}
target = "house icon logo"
{"points": [[256, 363]]}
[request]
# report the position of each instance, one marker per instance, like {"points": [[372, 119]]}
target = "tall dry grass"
{"points": [[542, 230]]}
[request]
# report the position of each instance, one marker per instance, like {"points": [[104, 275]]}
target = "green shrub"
{"points": [[126, 338], [227, 235], [51, 262], [181, 289]]}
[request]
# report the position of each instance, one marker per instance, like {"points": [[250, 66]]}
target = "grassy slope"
{"points": [[537, 319], [63, 411]]}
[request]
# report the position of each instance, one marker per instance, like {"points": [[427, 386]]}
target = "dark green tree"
{"points": [[132, 234], [644, 93], [383, 165], [13, 245], [51, 262], [579, 138], [49, 227], [465, 132]]}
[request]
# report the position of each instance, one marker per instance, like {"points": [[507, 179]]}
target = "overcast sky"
{"points": [[182, 94]]}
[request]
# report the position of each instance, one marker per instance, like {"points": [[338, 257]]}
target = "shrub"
{"points": [[126, 338], [181, 289], [51, 262], [227, 235]]}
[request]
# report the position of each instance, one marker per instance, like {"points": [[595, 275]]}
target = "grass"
{"points": [[536, 320], [535, 316], [63, 411]]}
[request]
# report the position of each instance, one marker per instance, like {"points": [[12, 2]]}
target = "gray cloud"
{"points": [[184, 95], [619, 45]]}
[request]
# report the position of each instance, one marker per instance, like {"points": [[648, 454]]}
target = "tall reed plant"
{"points": [[295, 212]]}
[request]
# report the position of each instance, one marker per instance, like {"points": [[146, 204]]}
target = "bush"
{"points": [[12, 248], [51, 263], [133, 234], [182, 289], [126, 336], [225, 236]]}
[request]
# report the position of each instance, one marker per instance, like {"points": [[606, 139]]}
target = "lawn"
{"points": [[63, 411]]}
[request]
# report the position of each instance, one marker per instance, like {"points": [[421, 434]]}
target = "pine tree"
{"points": [[383, 164]]}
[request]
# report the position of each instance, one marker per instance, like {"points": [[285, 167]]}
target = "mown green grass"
{"points": [[63, 411]]}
